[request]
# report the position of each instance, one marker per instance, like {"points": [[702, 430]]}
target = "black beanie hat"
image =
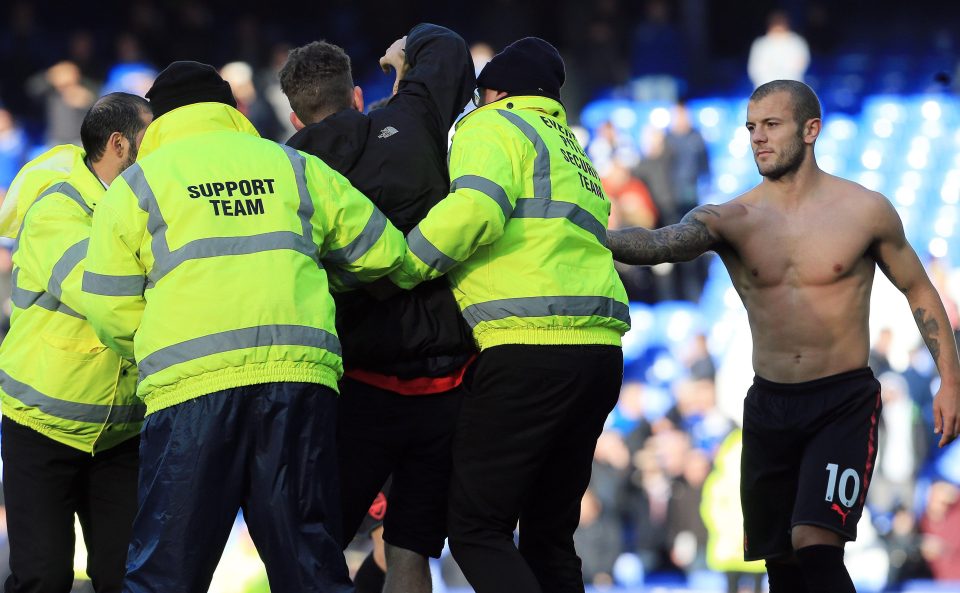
{"points": [[183, 83], [530, 66]]}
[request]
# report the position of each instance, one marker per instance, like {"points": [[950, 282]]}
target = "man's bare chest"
{"points": [[811, 252]]}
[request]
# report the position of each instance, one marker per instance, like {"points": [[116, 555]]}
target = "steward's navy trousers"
{"points": [[269, 450]]}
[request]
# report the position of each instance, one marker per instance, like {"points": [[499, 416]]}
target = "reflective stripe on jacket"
{"points": [[56, 376], [211, 258], [522, 234]]}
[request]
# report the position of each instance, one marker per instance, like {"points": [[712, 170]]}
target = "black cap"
{"points": [[530, 66], [183, 83]]}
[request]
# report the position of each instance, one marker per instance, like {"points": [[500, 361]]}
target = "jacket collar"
{"points": [[339, 139], [548, 106], [190, 120]]}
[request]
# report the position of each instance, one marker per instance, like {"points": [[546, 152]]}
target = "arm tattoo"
{"points": [[928, 330], [678, 242]]}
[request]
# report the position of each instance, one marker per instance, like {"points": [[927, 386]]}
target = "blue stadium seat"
{"points": [[927, 586]]}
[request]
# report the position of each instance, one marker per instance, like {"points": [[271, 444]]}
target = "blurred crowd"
{"points": [[663, 504], [58, 61]]}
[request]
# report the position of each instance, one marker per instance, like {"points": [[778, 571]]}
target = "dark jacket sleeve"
{"points": [[440, 74]]}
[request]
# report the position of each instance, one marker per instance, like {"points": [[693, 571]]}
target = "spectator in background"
{"points": [[689, 163], [920, 376], [240, 77], [902, 446], [129, 49], [686, 531], [481, 53], [879, 358], [630, 205], [641, 501], [131, 73], [598, 540], [629, 411], [682, 473], [13, 149], [611, 143], [689, 172], [698, 359], [68, 95], [130, 77], [654, 170], [697, 414], [649, 505], [630, 201], [81, 50], [611, 468], [939, 527], [268, 81], [904, 548], [780, 54], [723, 519]]}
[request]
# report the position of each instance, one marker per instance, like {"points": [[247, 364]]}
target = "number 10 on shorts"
{"points": [[847, 475]]}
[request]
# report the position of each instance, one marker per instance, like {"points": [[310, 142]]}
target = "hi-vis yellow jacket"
{"points": [[56, 376], [522, 235], [209, 258]]}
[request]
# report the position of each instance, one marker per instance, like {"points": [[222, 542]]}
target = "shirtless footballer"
{"points": [[801, 248]]}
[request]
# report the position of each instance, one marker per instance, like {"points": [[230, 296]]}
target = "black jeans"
{"points": [[45, 483], [522, 451]]}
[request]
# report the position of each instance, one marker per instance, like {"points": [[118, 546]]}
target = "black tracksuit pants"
{"points": [[523, 449], [45, 483]]}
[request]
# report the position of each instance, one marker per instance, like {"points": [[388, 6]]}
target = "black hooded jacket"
{"points": [[397, 156]]}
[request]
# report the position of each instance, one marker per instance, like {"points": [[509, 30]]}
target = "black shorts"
{"points": [[383, 434], [808, 455]]}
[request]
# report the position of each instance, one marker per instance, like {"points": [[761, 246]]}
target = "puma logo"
{"points": [[840, 512], [378, 508]]}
